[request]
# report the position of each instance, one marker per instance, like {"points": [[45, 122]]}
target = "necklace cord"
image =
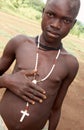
{"points": [[36, 63], [47, 48]]}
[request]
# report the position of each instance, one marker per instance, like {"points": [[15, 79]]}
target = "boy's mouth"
{"points": [[53, 34]]}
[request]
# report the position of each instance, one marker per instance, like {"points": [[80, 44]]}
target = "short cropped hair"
{"points": [[73, 4]]}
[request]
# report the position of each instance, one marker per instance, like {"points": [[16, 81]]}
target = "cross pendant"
{"points": [[24, 113], [34, 81]]}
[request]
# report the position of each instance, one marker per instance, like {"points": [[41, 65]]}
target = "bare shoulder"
{"points": [[19, 39], [71, 61]]}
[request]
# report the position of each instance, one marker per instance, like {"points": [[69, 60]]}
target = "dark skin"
{"points": [[47, 96]]}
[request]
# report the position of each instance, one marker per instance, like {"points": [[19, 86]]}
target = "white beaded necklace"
{"points": [[36, 65], [25, 112]]}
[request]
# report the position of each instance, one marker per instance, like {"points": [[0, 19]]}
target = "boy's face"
{"points": [[57, 19]]}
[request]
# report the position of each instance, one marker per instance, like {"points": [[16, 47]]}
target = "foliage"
{"points": [[36, 4], [78, 29], [34, 15], [28, 8]]}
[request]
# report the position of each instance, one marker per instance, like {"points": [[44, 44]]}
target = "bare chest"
{"points": [[26, 59]]}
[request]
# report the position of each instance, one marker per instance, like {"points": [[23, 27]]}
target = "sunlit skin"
{"points": [[45, 98]]}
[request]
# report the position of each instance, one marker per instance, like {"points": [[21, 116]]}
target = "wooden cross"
{"points": [[24, 113]]}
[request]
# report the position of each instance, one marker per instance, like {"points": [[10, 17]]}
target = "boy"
{"points": [[42, 73]]}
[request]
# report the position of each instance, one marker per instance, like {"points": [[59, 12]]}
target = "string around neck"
{"points": [[46, 48]]}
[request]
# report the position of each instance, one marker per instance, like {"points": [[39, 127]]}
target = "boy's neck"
{"points": [[48, 48]]}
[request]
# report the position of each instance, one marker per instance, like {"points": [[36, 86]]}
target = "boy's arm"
{"points": [[18, 82], [56, 110], [7, 57]]}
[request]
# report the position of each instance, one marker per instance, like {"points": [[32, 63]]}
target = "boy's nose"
{"points": [[56, 24]]}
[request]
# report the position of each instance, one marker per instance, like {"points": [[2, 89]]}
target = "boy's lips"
{"points": [[53, 33]]}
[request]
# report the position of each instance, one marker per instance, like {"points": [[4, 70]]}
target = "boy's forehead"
{"points": [[51, 3], [64, 6], [61, 5]]}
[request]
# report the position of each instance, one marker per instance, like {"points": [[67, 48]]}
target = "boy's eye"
{"points": [[50, 14], [67, 21]]}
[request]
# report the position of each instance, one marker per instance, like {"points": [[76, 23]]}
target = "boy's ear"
{"points": [[43, 10], [74, 23]]}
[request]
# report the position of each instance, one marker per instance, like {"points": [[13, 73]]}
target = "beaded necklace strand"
{"points": [[25, 112], [36, 65]]}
